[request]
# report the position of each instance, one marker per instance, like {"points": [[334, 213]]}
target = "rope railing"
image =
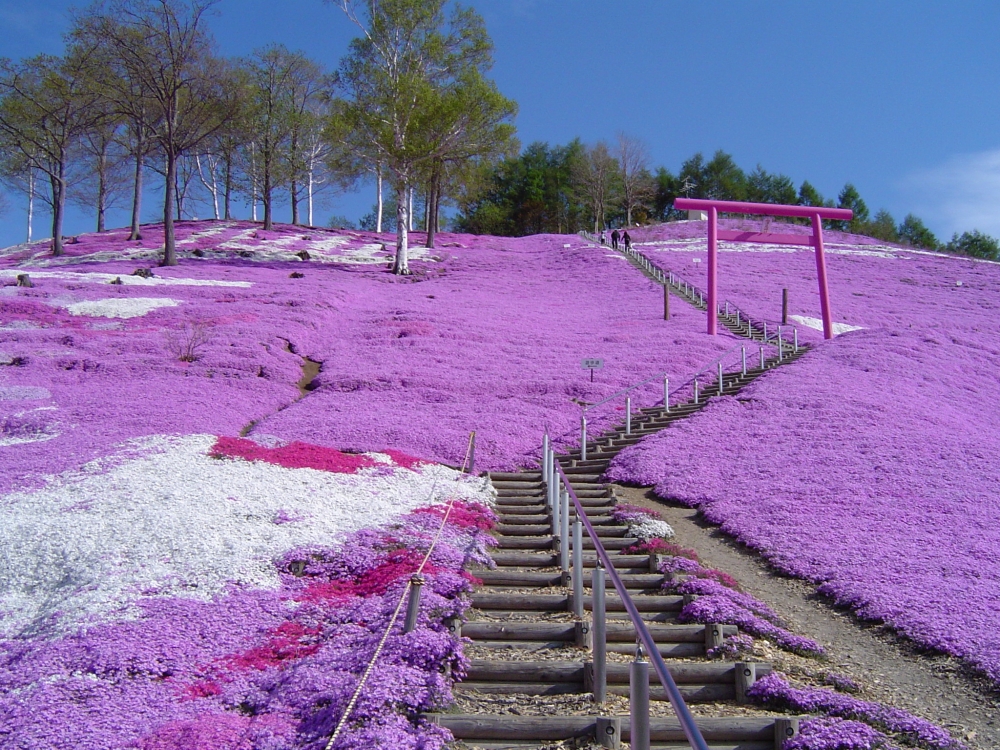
{"points": [[410, 594], [560, 493]]}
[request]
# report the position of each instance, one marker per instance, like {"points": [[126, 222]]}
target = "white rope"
{"points": [[395, 615]]}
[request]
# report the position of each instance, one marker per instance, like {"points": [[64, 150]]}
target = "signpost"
{"points": [[592, 364]]}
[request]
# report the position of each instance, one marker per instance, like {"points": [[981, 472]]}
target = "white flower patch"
{"points": [[650, 529], [165, 519], [817, 324], [217, 228], [121, 307], [20, 428], [23, 393], [127, 280]]}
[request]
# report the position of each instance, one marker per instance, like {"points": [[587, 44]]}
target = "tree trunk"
{"points": [[309, 189], [295, 202], [102, 192], [31, 199], [378, 211], [169, 243], [266, 196], [135, 234], [410, 208], [228, 189], [58, 204], [432, 191], [402, 264]]}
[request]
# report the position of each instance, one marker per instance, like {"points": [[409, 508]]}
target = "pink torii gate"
{"points": [[815, 213]]}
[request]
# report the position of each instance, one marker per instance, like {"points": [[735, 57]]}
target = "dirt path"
{"points": [[891, 670]]}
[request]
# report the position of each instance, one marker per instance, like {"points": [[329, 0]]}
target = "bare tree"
{"points": [[46, 104], [105, 172], [19, 174], [596, 178], [636, 182], [165, 48]]}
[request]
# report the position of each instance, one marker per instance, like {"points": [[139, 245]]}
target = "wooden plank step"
{"points": [[515, 476], [651, 581], [692, 693], [603, 532], [617, 632], [667, 650], [510, 727], [541, 560], [587, 502], [553, 671], [511, 484], [514, 519], [560, 602], [545, 542]]}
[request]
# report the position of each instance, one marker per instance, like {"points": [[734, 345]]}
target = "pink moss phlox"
{"points": [[774, 691], [295, 455], [837, 734], [660, 546], [464, 515]]}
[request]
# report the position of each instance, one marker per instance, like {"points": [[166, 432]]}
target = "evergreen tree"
{"points": [[913, 232], [882, 227], [850, 198], [809, 196], [975, 244]]}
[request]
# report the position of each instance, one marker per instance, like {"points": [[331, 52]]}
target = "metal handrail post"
{"points": [[564, 532], [639, 701], [545, 457], [762, 358], [765, 330], [743, 358], [795, 333], [696, 390], [413, 604], [583, 437], [666, 393], [720, 378], [578, 569], [628, 415], [780, 357], [600, 634]]}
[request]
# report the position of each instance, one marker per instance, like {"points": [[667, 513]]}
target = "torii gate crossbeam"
{"points": [[815, 213]]}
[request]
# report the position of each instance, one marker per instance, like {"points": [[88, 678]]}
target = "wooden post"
{"points": [[713, 636], [746, 676], [784, 729], [454, 626], [609, 732], [666, 302], [583, 635], [784, 306]]}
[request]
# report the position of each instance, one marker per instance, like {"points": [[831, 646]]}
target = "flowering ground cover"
{"points": [[869, 466], [234, 602], [487, 335]]}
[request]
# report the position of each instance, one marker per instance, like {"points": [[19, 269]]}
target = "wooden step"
{"points": [[550, 560], [560, 602], [744, 732], [617, 632], [604, 532], [532, 519], [545, 542], [651, 581]]}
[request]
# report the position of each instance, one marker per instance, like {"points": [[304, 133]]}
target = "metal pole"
{"points": [[765, 330], [762, 358], [554, 507], [639, 701], [600, 634], [628, 415], [545, 457], [564, 532], [553, 485], [795, 333], [578, 569], [713, 269], [727, 308], [743, 358], [413, 605], [696, 390], [720, 378], [824, 290], [666, 393], [583, 437], [779, 344], [737, 317], [472, 454]]}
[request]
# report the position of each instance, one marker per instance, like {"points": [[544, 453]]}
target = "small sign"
{"points": [[592, 364]]}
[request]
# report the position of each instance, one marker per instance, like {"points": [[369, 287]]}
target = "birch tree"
{"points": [[595, 177], [411, 60], [636, 183]]}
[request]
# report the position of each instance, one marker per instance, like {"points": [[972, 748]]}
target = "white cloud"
{"points": [[960, 195]]}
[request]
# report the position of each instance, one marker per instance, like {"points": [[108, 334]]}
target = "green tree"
{"points": [[723, 179], [764, 187], [46, 105], [913, 232], [975, 244], [882, 227], [809, 196], [597, 178], [667, 186], [850, 198], [413, 70]]}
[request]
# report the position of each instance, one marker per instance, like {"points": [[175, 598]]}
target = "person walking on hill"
{"points": [[614, 239], [627, 240], [602, 237]]}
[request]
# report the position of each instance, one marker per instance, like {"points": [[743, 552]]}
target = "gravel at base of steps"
{"points": [[889, 669]]}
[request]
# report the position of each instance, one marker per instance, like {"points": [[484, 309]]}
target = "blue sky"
{"points": [[899, 98]]}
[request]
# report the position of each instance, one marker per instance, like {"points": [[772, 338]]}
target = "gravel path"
{"points": [[889, 669]]}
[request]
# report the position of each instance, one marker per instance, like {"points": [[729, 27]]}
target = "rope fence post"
{"points": [[413, 603]]}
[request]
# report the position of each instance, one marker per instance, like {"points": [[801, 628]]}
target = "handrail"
{"points": [[683, 713], [626, 390]]}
